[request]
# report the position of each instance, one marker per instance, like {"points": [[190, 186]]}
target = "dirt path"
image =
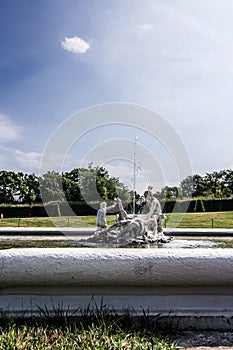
{"points": [[205, 340]]}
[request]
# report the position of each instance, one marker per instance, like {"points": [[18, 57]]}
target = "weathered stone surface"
{"points": [[194, 286], [206, 340], [124, 267]]}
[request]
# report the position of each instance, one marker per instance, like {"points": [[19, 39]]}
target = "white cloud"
{"points": [[9, 130], [29, 161], [75, 44], [17, 160], [145, 27]]}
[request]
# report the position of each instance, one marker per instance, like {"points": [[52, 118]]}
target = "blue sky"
{"points": [[59, 57]]}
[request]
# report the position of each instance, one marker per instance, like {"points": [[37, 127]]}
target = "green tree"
{"points": [[8, 187], [29, 190], [70, 181], [214, 183], [193, 186], [51, 187], [227, 182], [95, 183], [170, 192]]}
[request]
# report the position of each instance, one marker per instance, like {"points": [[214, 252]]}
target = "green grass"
{"points": [[187, 220], [200, 220], [66, 221], [14, 337], [100, 330]]}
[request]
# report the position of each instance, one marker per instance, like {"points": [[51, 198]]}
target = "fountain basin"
{"points": [[194, 286], [29, 237], [87, 231]]}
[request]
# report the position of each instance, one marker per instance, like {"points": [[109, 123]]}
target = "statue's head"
{"points": [[102, 205], [149, 197], [148, 194]]}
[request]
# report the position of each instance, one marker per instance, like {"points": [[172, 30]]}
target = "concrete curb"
{"points": [[193, 287], [87, 231], [46, 231]]}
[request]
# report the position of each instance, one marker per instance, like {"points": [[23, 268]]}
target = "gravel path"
{"points": [[205, 339]]}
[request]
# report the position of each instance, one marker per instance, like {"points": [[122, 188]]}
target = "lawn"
{"points": [[100, 330], [64, 221], [182, 220], [201, 220]]}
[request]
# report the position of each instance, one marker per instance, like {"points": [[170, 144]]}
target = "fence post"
{"points": [[212, 223], [18, 222]]}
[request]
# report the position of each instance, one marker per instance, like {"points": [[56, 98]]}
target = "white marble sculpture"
{"points": [[154, 218], [127, 229], [101, 221]]}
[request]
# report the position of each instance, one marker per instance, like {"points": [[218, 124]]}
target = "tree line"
{"points": [[215, 185], [74, 186], [81, 184]]}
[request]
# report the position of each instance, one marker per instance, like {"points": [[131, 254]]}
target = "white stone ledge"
{"points": [[87, 231], [116, 267], [188, 283]]}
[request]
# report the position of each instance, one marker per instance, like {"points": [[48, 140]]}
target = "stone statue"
{"points": [[154, 218], [121, 213], [101, 221], [131, 229]]}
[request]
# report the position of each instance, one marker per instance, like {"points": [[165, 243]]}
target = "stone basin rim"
{"points": [[90, 230], [196, 285]]}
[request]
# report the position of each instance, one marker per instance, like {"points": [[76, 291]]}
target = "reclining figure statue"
{"points": [[147, 227]]}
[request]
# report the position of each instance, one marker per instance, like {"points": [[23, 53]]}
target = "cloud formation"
{"points": [[16, 160], [29, 161], [75, 44], [9, 130], [145, 27]]}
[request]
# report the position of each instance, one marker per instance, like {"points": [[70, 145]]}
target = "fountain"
{"points": [[189, 287], [130, 230], [192, 286]]}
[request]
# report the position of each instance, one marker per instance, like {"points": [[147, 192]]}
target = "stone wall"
{"points": [[193, 286]]}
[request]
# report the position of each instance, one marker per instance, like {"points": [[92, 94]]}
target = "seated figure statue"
{"points": [[101, 221], [121, 213], [147, 227], [154, 218]]}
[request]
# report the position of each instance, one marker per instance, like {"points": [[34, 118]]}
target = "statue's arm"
{"points": [[111, 207]]}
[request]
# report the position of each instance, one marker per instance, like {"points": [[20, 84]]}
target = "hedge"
{"points": [[198, 205], [54, 209], [82, 209]]}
